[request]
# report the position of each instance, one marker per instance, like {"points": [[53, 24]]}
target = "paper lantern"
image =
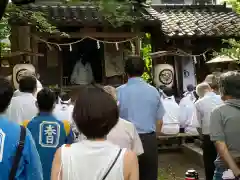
{"points": [[164, 75], [21, 69]]}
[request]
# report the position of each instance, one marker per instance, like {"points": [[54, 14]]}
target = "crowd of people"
{"points": [[105, 133], [210, 110]]}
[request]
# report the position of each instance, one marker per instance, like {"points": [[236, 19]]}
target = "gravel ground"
{"points": [[176, 164]]}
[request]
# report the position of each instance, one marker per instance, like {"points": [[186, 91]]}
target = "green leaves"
{"points": [[145, 51], [27, 17], [4, 33], [116, 13], [23, 17], [235, 5], [4, 29], [233, 50]]}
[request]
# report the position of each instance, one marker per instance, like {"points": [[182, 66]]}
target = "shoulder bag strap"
{"points": [[114, 162], [18, 154]]}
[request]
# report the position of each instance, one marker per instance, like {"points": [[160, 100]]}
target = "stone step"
{"points": [[198, 142], [194, 153]]}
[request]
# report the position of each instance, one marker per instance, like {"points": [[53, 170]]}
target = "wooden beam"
{"points": [[92, 34], [19, 53], [163, 53]]}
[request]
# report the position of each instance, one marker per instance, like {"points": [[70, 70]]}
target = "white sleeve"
{"points": [[14, 114], [74, 73], [90, 73], [194, 120], [182, 114], [39, 85], [198, 116], [137, 146]]}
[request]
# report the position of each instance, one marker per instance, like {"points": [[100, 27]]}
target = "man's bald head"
{"points": [[212, 80], [111, 90], [202, 88]]}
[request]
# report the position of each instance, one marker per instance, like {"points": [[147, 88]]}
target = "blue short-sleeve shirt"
{"points": [[30, 165], [140, 104]]}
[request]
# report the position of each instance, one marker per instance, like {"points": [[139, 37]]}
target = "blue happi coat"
{"points": [[29, 167], [49, 134]]}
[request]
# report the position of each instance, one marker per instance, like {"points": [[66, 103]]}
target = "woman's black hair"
{"points": [[95, 112]]}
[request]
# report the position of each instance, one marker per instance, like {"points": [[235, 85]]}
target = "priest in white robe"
{"points": [[82, 73], [188, 115]]}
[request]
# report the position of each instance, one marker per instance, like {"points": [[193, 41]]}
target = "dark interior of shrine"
{"points": [[87, 50]]}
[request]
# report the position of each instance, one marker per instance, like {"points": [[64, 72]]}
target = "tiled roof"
{"points": [[198, 20], [83, 14]]}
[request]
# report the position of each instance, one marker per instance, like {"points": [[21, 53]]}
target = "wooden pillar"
{"points": [[34, 47], [14, 42], [178, 74], [24, 40], [138, 46]]}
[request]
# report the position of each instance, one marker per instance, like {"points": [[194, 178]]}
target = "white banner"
{"points": [[188, 67]]}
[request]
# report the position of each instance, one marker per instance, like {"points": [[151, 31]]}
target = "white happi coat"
{"points": [[171, 124], [22, 107], [63, 111], [188, 115]]}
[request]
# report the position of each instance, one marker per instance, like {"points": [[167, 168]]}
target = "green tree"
{"points": [[4, 33], [233, 50], [116, 12], [145, 52], [235, 5], [27, 17]]}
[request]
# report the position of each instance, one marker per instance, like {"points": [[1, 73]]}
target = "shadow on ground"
{"points": [[173, 165]]}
